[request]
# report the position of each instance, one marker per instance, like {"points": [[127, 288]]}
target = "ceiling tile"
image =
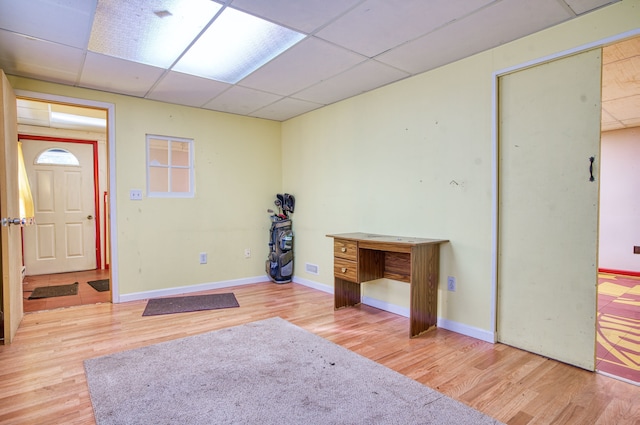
{"points": [[303, 16], [285, 109], [359, 79], [631, 122], [43, 60], [376, 26], [515, 18], [620, 79], [623, 109], [582, 6], [184, 89], [241, 100], [66, 22], [117, 75], [621, 50], [152, 32], [303, 65]]}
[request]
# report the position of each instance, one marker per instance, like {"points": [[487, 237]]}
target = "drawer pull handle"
{"points": [[344, 270], [343, 249]]}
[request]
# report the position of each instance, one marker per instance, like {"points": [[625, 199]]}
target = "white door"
{"points": [[10, 245], [64, 236], [548, 209]]}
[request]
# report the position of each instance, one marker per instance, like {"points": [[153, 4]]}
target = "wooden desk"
{"points": [[361, 257]]}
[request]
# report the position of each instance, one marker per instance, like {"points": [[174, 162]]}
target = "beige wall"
{"points": [[238, 173], [415, 159]]}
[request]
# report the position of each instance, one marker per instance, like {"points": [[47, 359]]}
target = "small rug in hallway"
{"points": [[157, 306], [54, 291], [265, 372], [101, 285]]}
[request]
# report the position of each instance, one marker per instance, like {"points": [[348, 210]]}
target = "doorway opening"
{"points": [[618, 316], [69, 242]]}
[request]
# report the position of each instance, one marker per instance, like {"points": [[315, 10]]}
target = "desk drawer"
{"points": [[345, 249], [345, 269]]}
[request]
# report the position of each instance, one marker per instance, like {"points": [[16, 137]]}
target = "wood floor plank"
{"points": [[42, 378]]}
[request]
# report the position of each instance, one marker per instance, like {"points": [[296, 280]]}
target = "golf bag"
{"points": [[279, 264]]}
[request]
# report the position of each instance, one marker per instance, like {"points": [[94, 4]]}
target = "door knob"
{"points": [[9, 221], [89, 217]]}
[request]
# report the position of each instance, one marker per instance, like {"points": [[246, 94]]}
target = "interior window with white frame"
{"points": [[169, 167]]}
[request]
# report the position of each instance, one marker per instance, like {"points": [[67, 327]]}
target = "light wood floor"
{"points": [[42, 379]]}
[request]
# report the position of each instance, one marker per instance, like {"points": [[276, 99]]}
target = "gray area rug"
{"points": [[189, 303], [54, 291], [265, 372]]}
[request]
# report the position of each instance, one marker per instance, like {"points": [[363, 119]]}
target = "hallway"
{"points": [[86, 294]]}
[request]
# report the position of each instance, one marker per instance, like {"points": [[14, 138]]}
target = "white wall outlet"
{"points": [[203, 258], [247, 253], [451, 283], [135, 194]]}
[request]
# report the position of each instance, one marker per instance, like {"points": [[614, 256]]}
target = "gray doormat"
{"points": [[157, 306], [54, 291], [101, 285]]}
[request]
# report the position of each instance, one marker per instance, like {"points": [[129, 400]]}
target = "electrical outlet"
{"points": [[203, 258], [247, 253], [451, 283], [135, 194]]}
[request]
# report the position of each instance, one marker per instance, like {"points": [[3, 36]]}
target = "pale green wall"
{"points": [[415, 159], [238, 173]]}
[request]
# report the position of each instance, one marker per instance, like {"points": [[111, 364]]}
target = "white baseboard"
{"points": [[449, 325], [180, 290], [312, 284], [467, 330]]}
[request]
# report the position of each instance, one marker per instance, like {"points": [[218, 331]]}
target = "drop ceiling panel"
{"points": [[176, 87], [315, 72], [582, 6], [622, 50], [359, 79], [467, 36], [303, 65], [395, 22], [621, 78], [282, 109], [303, 16], [34, 58], [66, 22], [625, 109], [117, 75], [241, 100]]}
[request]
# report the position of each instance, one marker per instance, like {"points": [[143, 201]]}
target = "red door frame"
{"points": [[96, 181]]}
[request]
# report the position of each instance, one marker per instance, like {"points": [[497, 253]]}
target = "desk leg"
{"points": [[346, 293], [425, 262]]}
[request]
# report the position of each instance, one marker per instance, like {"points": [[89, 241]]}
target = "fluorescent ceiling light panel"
{"points": [[235, 45], [150, 32]]}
